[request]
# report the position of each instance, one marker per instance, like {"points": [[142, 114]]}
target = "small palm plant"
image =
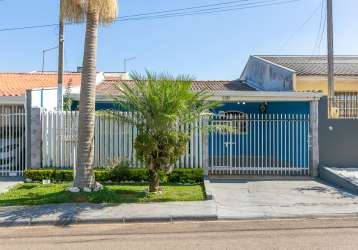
{"points": [[94, 12], [159, 105]]}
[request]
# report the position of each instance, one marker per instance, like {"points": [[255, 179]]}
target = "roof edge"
{"points": [[275, 64]]}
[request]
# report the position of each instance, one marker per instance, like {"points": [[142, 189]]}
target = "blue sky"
{"points": [[213, 46]]}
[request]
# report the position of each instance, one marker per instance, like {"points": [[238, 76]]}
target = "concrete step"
{"points": [[346, 178]]}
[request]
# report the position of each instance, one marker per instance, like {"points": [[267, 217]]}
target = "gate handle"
{"points": [[229, 143]]}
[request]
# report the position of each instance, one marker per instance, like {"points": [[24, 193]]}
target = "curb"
{"points": [[208, 190], [293, 217], [79, 221], [168, 220]]}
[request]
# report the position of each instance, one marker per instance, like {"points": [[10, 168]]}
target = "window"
{"points": [[344, 105], [238, 120]]}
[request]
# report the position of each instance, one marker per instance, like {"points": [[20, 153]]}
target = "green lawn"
{"points": [[39, 194]]}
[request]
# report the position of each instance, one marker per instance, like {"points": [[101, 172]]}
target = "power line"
{"points": [[190, 11], [28, 27], [188, 8], [322, 34], [321, 30], [300, 27], [215, 10]]}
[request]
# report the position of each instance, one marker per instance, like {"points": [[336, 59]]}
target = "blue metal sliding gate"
{"points": [[260, 144]]}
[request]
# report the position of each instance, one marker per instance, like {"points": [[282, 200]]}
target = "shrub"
{"points": [[49, 174], [102, 175], [184, 175], [120, 173]]}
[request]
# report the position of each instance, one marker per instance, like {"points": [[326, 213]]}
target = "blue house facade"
{"points": [[261, 132]]}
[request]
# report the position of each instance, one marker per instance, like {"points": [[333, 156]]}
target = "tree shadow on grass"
{"points": [[53, 209], [63, 208], [59, 215]]}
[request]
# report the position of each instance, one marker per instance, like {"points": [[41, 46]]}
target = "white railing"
{"points": [[344, 105], [260, 144], [114, 140], [12, 144]]}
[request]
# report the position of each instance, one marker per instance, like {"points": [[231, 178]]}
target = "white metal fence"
{"points": [[344, 105], [260, 144], [12, 143], [114, 140], [257, 144]]}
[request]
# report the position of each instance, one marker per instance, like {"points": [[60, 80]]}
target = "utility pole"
{"points": [[330, 47], [61, 54]]}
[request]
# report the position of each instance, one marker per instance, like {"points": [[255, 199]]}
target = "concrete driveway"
{"points": [[245, 199], [7, 182]]}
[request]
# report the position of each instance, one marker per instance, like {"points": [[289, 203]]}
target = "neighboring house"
{"points": [[300, 73], [13, 88], [307, 73], [337, 118], [43, 85]]}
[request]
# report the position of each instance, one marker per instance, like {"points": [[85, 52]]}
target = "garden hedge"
{"points": [[182, 175]]}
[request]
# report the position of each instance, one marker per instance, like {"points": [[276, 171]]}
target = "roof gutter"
{"points": [[271, 96], [253, 96], [12, 100]]}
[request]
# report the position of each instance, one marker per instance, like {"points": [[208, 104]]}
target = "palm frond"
{"points": [[76, 10]]}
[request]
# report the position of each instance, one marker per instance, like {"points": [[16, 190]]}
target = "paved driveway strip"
{"points": [[7, 182], [248, 199]]}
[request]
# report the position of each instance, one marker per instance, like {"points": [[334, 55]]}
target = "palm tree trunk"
{"points": [[84, 177], [154, 186]]}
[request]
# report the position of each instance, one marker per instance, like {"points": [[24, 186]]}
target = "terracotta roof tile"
{"points": [[108, 88], [16, 84]]}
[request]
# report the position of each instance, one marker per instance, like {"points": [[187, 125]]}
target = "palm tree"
{"points": [[160, 104], [94, 12]]}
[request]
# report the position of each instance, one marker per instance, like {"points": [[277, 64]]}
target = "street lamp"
{"points": [[43, 56], [125, 62]]}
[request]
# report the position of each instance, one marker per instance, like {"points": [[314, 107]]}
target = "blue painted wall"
{"points": [[250, 107], [99, 105], [290, 145], [272, 107]]}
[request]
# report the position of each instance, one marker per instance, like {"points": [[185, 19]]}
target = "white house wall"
{"points": [[44, 98], [264, 75]]}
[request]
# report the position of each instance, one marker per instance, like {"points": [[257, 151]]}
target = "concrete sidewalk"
{"points": [[65, 214], [236, 199], [257, 199]]}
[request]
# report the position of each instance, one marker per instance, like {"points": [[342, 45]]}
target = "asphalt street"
{"points": [[333, 233]]}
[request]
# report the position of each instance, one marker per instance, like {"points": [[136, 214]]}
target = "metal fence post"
{"points": [[205, 144], [314, 152], [27, 129]]}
